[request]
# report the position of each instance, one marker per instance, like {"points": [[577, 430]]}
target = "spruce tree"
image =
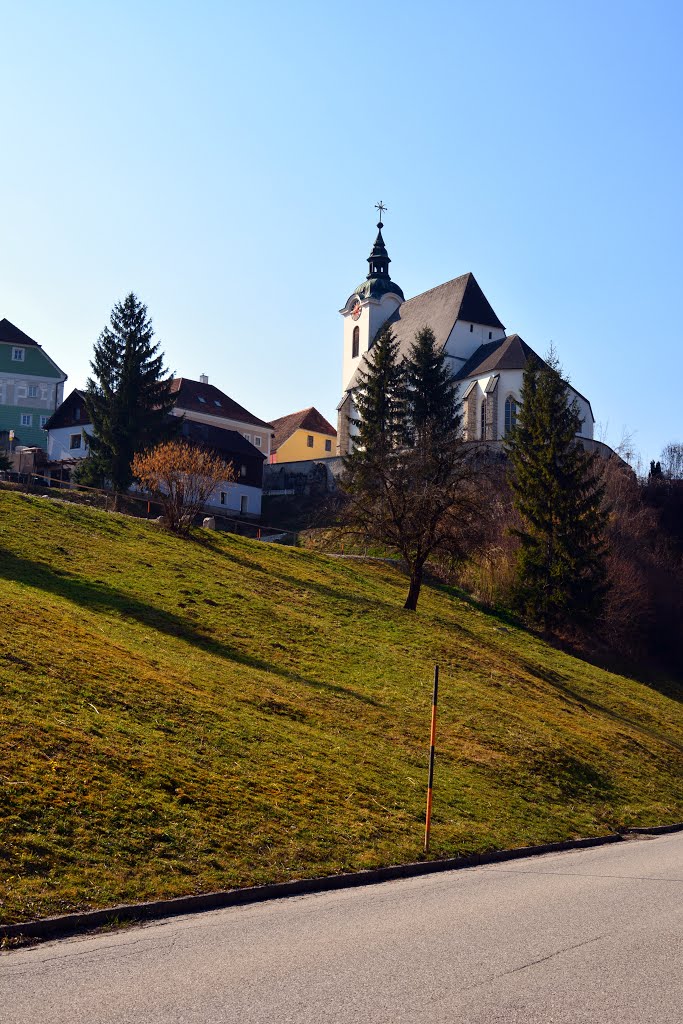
{"points": [[127, 397], [379, 398], [433, 393], [405, 477], [561, 570]]}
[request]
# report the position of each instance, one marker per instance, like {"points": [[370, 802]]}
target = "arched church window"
{"points": [[482, 432], [355, 345], [510, 413]]}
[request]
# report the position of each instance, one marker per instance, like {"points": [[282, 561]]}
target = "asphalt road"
{"points": [[589, 936]]}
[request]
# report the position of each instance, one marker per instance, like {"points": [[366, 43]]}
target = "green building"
{"points": [[31, 388]]}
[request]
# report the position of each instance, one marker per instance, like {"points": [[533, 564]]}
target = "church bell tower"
{"points": [[368, 307]]}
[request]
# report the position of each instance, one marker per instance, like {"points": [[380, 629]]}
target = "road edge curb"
{"points": [[85, 921], [70, 924]]}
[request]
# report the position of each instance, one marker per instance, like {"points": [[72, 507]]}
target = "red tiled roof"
{"points": [[305, 419], [194, 396]]}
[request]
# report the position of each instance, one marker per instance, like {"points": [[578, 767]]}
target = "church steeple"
{"points": [[378, 281], [379, 257]]}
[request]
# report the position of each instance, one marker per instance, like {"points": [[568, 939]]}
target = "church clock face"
{"points": [[356, 311]]}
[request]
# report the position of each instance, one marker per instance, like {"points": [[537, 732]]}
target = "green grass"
{"points": [[181, 716]]}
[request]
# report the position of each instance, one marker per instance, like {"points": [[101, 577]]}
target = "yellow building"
{"points": [[301, 436]]}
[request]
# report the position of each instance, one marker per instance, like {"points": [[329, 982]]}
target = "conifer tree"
{"points": [[379, 398], [433, 392], [405, 477], [557, 490], [127, 397]]}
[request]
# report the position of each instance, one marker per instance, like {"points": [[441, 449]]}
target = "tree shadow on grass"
{"points": [[555, 680], [329, 593], [104, 598]]}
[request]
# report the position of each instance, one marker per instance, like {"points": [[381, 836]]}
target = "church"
{"points": [[488, 362]]}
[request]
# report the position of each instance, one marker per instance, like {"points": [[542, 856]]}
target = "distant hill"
{"points": [[180, 716]]}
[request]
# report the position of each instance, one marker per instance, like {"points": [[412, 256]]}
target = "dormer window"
{"points": [[355, 344], [202, 400], [18, 355], [216, 402]]}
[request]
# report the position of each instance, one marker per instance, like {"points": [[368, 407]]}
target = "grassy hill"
{"points": [[180, 716]]}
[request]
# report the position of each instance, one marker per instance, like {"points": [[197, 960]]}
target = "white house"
{"points": [[214, 419], [488, 362], [210, 419], [68, 430]]}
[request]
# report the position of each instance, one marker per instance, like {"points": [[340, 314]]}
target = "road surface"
{"points": [[587, 936]]}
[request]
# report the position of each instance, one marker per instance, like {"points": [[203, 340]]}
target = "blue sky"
{"points": [[222, 160]]}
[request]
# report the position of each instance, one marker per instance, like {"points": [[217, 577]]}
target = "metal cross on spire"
{"points": [[382, 209]]}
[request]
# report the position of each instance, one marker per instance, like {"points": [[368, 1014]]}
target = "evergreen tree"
{"points": [[127, 397], [379, 398], [433, 393], [556, 484], [405, 477]]}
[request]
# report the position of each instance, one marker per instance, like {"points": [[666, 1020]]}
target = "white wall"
{"points": [[58, 443], [234, 493], [463, 342], [373, 314], [510, 383]]}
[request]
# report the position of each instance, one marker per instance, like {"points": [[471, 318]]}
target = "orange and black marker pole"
{"points": [[432, 743]]}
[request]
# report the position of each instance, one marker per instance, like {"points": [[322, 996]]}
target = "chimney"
{"points": [[203, 379]]}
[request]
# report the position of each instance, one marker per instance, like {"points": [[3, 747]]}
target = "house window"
{"points": [[202, 400], [216, 402], [43, 420], [328, 446], [490, 335], [75, 441], [77, 412], [257, 440], [510, 413], [26, 419], [18, 355], [244, 504], [355, 347], [224, 497], [471, 328], [309, 440], [248, 437], [482, 432], [32, 391], [243, 471]]}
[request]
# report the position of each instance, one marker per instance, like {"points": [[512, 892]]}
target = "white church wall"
{"points": [[374, 313], [463, 342], [510, 383], [586, 415]]}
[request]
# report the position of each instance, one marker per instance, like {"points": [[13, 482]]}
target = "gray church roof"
{"points": [[511, 353], [439, 308]]}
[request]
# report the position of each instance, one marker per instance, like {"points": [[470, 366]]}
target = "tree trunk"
{"points": [[414, 590]]}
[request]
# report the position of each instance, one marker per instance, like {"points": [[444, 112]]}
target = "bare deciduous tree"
{"points": [[182, 477]]}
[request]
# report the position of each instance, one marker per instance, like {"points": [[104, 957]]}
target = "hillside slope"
{"points": [[180, 716]]}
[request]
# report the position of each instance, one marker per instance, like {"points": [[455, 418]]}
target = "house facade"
{"points": [[302, 436], [209, 419], [31, 389], [214, 419], [67, 432], [486, 361]]}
